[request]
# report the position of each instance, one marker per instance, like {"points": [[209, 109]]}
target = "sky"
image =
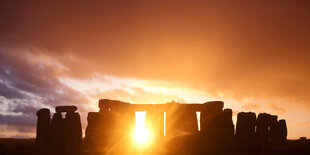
{"points": [[253, 55]]}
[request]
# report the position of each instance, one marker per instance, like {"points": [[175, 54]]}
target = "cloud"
{"points": [[305, 123], [28, 84], [233, 50], [236, 49], [34, 80], [138, 95], [252, 106], [9, 92], [278, 109], [20, 120]]}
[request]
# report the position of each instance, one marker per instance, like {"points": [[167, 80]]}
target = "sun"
{"points": [[141, 134]]}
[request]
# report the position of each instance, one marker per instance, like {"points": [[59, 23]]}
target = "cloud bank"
{"points": [[255, 55]]}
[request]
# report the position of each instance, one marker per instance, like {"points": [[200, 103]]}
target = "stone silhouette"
{"points": [[110, 126], [227, 129], [100, 129], [59, 134], [273, 128], [263, 133], [180, 120], [245, 130], [110, 130], [43, 129], [73, 131], [208, 116], [282, 132]]}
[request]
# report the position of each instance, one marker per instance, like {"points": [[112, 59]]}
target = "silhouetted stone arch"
{"points": [[66, 133]]}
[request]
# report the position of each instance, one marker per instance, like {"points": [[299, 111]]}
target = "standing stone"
{"points": [[208, 115], [43, 129], [226, 129], [73, 132], [105, 130], [262, 129], [282, 130], [58, 133], [93, 136], [273, 128], [211, 125], [66, 132], [180, 120], [245, 130]]}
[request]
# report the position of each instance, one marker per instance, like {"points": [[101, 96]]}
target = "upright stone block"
{"points": [[66, 132], [227, 128], [108, 130], [208, 116], [58, 133], [262, 129], [43, 129], [245, 130], [273, 128], [93, 136], [73, 132], [180, 120], [282, 130]]}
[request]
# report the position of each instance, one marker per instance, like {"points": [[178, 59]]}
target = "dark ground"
{"points": [[10, 146]]}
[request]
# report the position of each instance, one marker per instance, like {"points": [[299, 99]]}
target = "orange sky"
{"points": [[254, 55]]}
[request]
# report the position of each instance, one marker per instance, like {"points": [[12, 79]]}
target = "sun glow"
{"points": [[141, 134]]}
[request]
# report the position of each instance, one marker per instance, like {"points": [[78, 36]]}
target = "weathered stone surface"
{"points": [[69, 109], [43, 129], [245, 130]]}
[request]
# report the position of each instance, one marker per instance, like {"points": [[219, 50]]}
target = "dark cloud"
{"points": [[27, 85], [38, 80], [9, 92], [25, 108], [18, 120]]}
